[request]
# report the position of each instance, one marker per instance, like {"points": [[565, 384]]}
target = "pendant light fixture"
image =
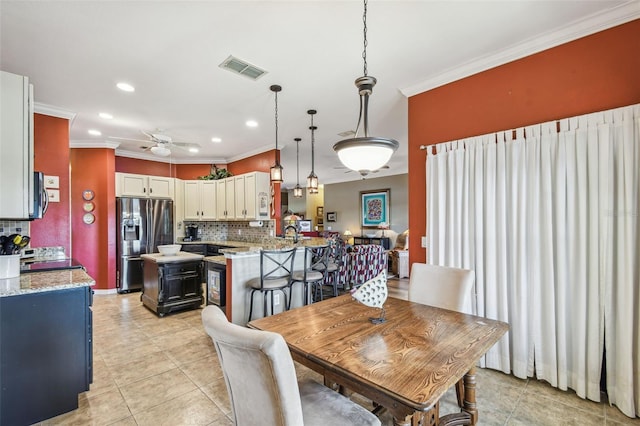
{"points": [[366, 153], [276, 169], [312, 179], [297, 191]]}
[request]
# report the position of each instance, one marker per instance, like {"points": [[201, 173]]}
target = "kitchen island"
{"points": [[172, 282], [243, 264], [46, 353]]}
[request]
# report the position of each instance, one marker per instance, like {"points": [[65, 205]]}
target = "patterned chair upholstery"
{"points": [[365, 262]]}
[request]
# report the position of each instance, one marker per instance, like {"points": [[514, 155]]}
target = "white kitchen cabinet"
{"points": [[225, 199], [200, 199], [178, 206], [134, 185], [252, 196], [16, 147]]}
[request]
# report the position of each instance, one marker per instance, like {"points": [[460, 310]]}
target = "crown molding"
{"points": [[168, 159], [595, 23], [250, 153], [53, 111], [93, 144]]}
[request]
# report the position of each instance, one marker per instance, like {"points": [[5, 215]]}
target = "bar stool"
{"points": [[315, 272], [276, 268]]}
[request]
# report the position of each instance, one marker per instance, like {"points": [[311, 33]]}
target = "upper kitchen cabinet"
{"points": [[16, 147], [252, 196], [133, 185], [200, 199], [225, 199]]}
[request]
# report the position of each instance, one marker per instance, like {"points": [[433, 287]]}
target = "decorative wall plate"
{"points": [[88, 195], [88, 206], [88, 218]]}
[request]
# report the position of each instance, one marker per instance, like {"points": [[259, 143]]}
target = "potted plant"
{"points": [[216, 174]]}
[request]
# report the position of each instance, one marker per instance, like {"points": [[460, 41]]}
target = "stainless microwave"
{"points": [[40, 197]]}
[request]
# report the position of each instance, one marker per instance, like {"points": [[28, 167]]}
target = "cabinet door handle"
{"points": [[150, 190], [144, 190]]}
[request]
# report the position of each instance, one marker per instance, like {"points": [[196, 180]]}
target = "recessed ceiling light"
{"points": [[216, 140], [126, 87], [95, 132], [193, 149], [251, 123], [105, 115]]}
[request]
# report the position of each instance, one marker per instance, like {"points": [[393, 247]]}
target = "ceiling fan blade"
{"points": [[127, 139], [186, 144]]}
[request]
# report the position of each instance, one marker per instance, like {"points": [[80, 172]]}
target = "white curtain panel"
{"points": [[547, 216]]}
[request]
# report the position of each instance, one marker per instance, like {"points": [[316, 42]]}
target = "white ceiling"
{"points": [[76, 51]]}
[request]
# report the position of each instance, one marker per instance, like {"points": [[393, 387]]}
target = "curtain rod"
{"points": [[423, 147]]}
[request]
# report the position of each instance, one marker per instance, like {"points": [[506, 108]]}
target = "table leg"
{"points": [[402, 422], [427, 418], [469, 403]]}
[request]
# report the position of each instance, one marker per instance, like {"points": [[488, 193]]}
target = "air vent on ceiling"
{"points": [[241, 67]]}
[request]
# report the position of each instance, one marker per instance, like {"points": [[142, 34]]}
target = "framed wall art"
{"points": [[374, 208], [332, 216]]}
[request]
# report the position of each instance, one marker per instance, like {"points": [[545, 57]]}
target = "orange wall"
{"points": [[145, 167], [94, 245], [262, 163], [591, 74], [192, 171], [51, 146]]}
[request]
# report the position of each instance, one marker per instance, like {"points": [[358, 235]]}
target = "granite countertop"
{"points": [[274, 244], [37, 282], [181, 256], [220, 259], [218, 242]]}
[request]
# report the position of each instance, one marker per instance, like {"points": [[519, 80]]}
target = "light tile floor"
{"points": [[164, 371]]}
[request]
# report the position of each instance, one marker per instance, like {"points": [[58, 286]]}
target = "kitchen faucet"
{"points": [[295, 229]]}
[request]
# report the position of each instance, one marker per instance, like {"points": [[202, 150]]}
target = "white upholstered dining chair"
{"points": [[442, 287], [262, 384]]}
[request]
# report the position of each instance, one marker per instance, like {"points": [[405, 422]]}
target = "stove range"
{"points": [[35, 265]]}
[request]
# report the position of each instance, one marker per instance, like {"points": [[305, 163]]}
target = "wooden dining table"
{"points": [[405, 364]]}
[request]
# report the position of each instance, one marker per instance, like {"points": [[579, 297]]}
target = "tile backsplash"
{"points": [[8, 227], [233, 231]]}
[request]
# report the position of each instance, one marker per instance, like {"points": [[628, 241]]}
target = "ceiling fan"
{"points": [[163, 143]]}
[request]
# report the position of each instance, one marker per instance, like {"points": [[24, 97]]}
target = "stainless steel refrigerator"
{"points": [[143, 224]]}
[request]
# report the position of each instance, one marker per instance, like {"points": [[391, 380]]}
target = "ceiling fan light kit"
{"points": [[312, 179], [367, 153], [276, 169], [160, 151]]}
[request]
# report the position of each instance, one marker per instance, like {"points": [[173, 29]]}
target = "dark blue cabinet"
{"points": [[46, 354]]}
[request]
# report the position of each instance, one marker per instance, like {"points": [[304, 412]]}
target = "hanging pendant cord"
{"points": [[298, 161], [312, 145], [276, 122], [364, 50]]}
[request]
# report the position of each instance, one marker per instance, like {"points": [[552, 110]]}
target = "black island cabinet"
{"points": [[172, 283]]}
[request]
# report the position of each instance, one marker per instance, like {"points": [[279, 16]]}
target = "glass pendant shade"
{"points": [[297, 191], [276, 169], [312, 183], [276, 172], [365, 154]]}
